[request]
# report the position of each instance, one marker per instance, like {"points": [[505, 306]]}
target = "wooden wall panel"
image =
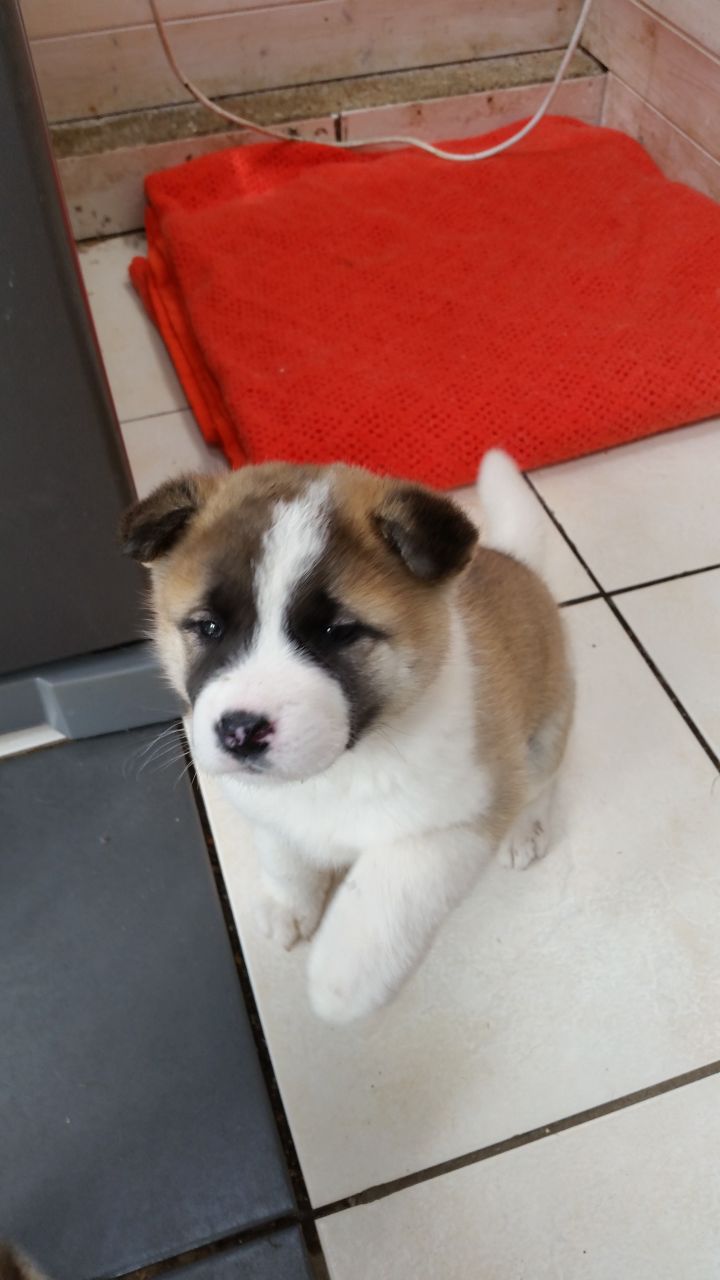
{"points": [[676, 154], [45, 18], [668, 71], [698, 19], [241, 48]]}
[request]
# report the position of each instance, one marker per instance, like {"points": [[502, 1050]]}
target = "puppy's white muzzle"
{"points": [[280, 717]]}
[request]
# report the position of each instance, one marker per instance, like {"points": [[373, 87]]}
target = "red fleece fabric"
{"points": [[404, 313]]}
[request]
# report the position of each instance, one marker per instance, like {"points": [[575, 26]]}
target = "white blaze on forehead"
{"points": [[305, 706], [294, 543]]}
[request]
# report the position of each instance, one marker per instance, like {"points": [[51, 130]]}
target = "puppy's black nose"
{"points": [[244, 734]]}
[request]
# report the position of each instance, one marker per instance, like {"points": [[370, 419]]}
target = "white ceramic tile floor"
{"points": [[592, 975], [631, 1196], [165, 445], [141, 377], [643, 511], [679, 625]]}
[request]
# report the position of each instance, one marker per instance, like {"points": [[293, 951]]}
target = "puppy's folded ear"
{"points": [[430, 534], [152, 527]]}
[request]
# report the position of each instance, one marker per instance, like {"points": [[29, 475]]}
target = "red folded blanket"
{"points": [[405, 313]]}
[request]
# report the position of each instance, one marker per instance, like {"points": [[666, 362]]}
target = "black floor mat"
{"points": [[278, 1257], [134, 1121]]}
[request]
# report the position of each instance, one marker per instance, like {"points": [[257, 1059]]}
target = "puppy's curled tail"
{"points": [[512, 518]]}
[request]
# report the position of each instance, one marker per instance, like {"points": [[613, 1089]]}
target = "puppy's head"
{"points": [[296, 607]]}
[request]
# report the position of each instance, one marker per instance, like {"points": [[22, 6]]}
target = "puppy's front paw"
{"points": [[343, 984], [287, 923], [525, 845]]}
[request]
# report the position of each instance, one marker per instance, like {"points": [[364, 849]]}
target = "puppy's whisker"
{"points": [[167, 764], [190, 765], [173, 730], [171, 733], [171, 750], [161, 750]]}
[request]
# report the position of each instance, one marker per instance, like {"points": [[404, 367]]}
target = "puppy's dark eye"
{"points": [[210, 628], [320, 624], [344, 633], [207, 628]]}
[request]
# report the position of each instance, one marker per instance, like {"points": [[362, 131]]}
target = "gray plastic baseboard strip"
{"points": [[85, 697]]}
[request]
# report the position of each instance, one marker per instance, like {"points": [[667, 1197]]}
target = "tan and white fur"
{"points": [[380, 695], [15, 1266]]}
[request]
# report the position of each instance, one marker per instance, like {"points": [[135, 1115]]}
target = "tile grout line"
{"points": [[213, 1249], [575, 1121], [305, 1218], [146, 417], [607, 597], [567, 604], [658, 582]]}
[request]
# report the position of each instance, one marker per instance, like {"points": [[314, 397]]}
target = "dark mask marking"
{"points": [[319, 629]]}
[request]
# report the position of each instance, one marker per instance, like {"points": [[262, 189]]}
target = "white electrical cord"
{"points": [[347, 144]]}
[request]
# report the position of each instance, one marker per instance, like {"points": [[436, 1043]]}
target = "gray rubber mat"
{"points": [[134, 1121], [280, 1256]]}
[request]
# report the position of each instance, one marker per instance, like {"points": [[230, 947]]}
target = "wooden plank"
{"points": [[669, 72], [104, 193], [699, 19], [474, 113], [677, 155], [45, 18], [109, 71]]}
